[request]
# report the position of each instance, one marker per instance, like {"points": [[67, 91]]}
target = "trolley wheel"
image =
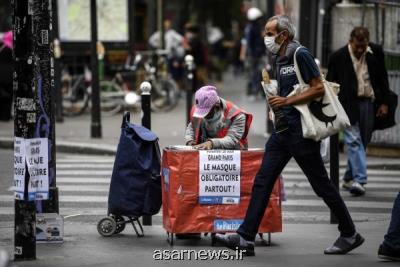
{"points": [[107, 226], [120, 224], [170, 238]]}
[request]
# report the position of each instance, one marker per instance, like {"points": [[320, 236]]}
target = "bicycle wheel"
{"points": [[164, 95], [75, 98], [111, 98]]}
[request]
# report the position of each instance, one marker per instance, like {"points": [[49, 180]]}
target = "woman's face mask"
{"points": [[271, 44]]}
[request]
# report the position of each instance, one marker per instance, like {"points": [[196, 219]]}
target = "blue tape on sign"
{"points": [[227, 225], [219, 200], [210, 200], [32, 196]]}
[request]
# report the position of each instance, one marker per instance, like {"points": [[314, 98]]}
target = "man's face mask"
{"points": [[214, 115], [271, 45]]}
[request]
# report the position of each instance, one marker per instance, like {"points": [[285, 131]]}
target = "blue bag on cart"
{"points": [[135, 188]]}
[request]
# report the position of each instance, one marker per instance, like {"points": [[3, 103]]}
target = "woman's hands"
{"points": [[204, 146]]}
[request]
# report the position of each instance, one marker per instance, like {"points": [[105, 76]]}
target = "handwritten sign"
{"points": [[38, 168], [219, 177], [19, 168]]}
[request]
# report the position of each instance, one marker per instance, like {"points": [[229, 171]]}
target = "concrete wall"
{"points": [[346, 16]]}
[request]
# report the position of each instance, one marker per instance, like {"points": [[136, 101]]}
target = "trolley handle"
{"points": [[126, 119]]}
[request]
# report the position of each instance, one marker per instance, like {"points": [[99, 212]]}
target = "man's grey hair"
{"points": [[284, 23]]}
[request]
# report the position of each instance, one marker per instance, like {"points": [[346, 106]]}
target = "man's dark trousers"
{"points": [[392, 238], [278, 151]]}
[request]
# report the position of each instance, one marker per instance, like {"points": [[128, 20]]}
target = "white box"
{"points": [[49, 228]]}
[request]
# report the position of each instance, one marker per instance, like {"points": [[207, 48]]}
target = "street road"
{"points": [[83, 182]]}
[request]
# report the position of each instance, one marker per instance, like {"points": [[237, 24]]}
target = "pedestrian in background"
{"points": [[283, 145], [217, 52], [390, 247], [253, 51], [174, 48], [359, 68], [194, 46]]}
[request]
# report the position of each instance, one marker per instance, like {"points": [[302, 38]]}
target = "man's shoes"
{"points": [[388, 253], [357, 189], [233, 242], [347, 185], [344, 245]]}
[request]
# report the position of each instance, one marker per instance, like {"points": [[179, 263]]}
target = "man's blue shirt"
{"points": [[286, 77]]}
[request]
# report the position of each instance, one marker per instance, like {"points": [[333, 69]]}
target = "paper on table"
{"points": [[180, 147]]}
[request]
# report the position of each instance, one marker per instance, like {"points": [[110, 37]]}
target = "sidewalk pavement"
{"points": [[298, 245], [73, 135]]}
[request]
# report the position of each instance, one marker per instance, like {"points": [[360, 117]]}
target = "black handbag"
{"points": [[389, 120]]}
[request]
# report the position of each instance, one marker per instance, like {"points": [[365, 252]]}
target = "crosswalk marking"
{"points": [[306, 184], [84, 181], [74, 180], [381, 179], [86, 172]]}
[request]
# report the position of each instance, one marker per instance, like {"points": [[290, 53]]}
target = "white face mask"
{"points": [[216, 116], [271, 45]]}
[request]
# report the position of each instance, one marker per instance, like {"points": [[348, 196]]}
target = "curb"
{"points": [[70, 147]]}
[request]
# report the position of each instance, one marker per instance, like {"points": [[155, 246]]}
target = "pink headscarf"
{"points": [[8, 39]]}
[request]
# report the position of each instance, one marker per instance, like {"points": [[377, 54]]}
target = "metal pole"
{"points": [[44, 96], [270, 8], [268, 123], [24, 127], [364, 10], [145, 87], [189, 63], [376, 12], [160, 21], [57, 63], [151, 16], [131, 19], [383, 26], [334, 167], [95, 130]]}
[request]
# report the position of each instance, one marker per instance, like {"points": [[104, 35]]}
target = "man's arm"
{"points": [[384, 83], [235, 133], [316, 90], [311, 75], [154, 40], [189, 135]]}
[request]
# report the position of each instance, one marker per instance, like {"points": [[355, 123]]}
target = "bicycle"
{"points": [[75, 98], [164, 92], [76, 92]]}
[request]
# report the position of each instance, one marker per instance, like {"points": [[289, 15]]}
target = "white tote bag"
{"points": [[323, 116]]}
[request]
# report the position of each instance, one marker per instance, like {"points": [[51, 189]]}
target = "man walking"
{"points": [[282, 145], [360, 70]]}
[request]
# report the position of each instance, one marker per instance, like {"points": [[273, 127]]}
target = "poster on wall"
{"points": [[38, 167], [112, 20], [219, 177], [19, 168]]}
